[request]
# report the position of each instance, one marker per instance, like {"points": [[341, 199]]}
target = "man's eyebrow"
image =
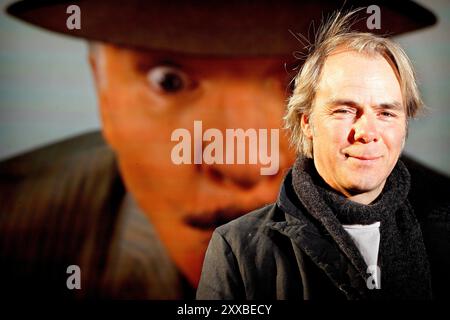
{"points": [[394, 105], [146, 63], [168, 62], [342, 102]]}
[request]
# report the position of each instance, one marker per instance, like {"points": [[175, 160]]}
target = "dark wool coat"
{"points": [[278, 252]]}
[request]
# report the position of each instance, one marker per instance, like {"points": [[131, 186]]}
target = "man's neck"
{"points": [[364, 197], [359, 196]]}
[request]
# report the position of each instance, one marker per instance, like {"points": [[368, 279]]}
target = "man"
{"points": [[158, 67], [347, 223]]}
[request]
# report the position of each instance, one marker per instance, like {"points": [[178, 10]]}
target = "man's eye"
{"points": [[387, 114], [343, 111], [168, 79]]}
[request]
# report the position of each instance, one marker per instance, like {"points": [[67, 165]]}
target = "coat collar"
{"points": [[315, 241]]}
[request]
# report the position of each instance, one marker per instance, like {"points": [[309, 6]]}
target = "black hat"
{"points": [[212, 27]]}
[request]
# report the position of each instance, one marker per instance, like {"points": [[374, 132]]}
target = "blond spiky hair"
{"points": [[335, 33]]}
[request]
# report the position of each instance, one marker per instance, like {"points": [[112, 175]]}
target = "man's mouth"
{"points": [[208, 221], [363, 157]]}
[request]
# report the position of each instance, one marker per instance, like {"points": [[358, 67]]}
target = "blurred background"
{"points": [[47, 92]]}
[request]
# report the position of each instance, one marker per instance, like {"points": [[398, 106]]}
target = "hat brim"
{"points": [[219, 28]]}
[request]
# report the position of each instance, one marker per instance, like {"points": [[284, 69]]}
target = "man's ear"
{"points": [[306, 126], [102, 96], [93, 63]]}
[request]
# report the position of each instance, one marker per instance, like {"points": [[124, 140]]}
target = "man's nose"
{"points": [[242, 176], [249, 175], [248, 106], [365, 129]]}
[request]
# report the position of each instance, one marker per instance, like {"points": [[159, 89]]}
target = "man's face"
{"points": [[358, 123], [145, 96]]}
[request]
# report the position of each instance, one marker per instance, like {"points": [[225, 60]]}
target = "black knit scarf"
{"points": [[403, 262]]}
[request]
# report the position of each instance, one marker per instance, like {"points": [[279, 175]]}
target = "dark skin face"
{"points": [[145, 96]]}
